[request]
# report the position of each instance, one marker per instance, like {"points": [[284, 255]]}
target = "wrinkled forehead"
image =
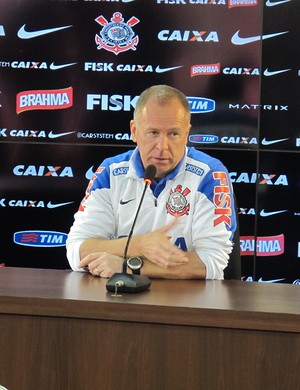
{"points": [[169, 112]]}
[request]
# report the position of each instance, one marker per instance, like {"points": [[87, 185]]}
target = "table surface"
{"points": [[226, 304]]}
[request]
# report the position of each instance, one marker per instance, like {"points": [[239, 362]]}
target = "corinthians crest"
{"points": [[116, 36], [177, 203]]}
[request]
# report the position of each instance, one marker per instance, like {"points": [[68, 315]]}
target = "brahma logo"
{"points": [[51, 99], [116, 36], [262, 246], [222, 199], [40, 238], [205, 69], [242, 3]]}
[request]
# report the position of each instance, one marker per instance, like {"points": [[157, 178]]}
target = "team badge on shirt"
{"points": [[177, 203], [116, 36]]}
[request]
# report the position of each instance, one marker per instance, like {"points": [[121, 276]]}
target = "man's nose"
{"points": [[162, 142]]}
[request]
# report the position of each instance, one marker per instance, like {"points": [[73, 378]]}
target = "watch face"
{"points": [[134, 262]]}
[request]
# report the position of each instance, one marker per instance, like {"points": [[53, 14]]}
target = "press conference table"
{"points": [[63, 330]]}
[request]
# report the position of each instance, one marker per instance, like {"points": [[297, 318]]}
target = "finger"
{"points": [[87, 260], [169, 226]]}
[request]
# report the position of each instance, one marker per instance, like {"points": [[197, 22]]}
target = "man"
{"points": [[187, 218]]}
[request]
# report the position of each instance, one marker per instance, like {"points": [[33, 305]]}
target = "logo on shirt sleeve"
{"points": [[222, 199]]}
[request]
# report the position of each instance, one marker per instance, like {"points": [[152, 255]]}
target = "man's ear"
{"points": [[133, 130]]}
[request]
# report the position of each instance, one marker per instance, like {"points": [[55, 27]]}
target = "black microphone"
{"points": [[122, 281]]}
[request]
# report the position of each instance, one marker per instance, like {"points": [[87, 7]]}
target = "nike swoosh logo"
{"points": [[237, 40], [53, 135], [270, 3], [23, 34], [122, 202], [275, 141], [270, 281], [158, 69], [90, 173], [272, 73], [55, 67], [264, 213], [54, 206]]}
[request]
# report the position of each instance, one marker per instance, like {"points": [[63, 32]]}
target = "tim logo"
{"points": [[116, 36], [40, 238], [203, 139], [200, 105]]}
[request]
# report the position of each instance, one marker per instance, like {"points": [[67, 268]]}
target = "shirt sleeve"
{"points": [[94, 218], [215, 209]]}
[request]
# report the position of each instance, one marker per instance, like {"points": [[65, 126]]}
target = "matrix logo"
{"points": [[40, 238]]}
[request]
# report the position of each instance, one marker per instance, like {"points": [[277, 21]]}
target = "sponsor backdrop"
{"points": [[71, 73]]}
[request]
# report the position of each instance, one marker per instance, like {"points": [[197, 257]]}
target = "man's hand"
{"points": [[157, 248], [102, 264]]}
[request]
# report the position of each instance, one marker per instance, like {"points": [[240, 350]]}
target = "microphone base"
{"points": [[128, 283]]}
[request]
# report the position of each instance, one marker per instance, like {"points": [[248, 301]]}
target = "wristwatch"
{"points": [[135, 264]]}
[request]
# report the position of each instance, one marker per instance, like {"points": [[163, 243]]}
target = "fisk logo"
{"points": [[127, 102], [222, 199], [40, 238], [44, 99]]}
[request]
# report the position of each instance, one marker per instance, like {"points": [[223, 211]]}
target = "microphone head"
{"points": [[150, 173]]}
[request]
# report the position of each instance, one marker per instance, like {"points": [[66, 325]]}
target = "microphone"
{"points": [[123, 281]]}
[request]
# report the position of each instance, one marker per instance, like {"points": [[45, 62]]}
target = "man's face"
{"points": [[161, 132]]}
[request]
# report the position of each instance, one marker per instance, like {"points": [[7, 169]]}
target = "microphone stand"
{"points": [[123, 281]]}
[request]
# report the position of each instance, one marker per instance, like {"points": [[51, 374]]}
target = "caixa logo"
{"points": [[40, 238], [199, 105], [43, 170]]}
